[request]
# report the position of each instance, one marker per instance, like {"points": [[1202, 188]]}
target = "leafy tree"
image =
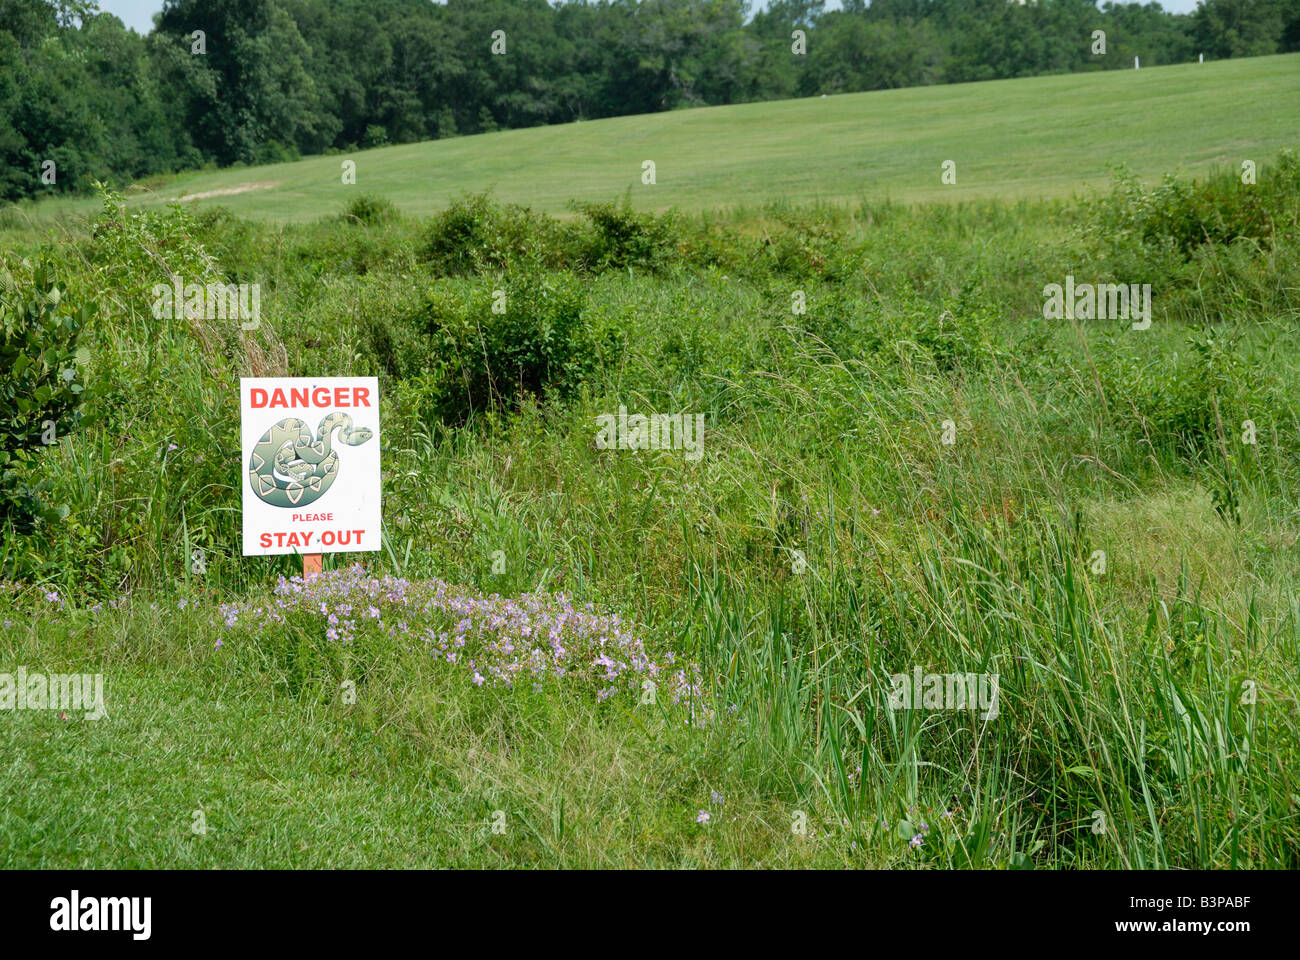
{"points": [[280, 78], [1238, 28]]}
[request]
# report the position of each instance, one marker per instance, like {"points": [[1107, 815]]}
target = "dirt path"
{"points": [[227, 191]]}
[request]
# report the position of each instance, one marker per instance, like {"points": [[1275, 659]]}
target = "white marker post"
{"points": [[311, 479]]}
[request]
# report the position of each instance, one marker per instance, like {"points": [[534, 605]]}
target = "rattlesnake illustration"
{"points": [[287, 449]]}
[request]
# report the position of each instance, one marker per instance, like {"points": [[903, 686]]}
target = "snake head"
{"points": [[358, 435]]}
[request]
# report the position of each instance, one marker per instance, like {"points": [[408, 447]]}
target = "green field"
{"points": [[906, 466], [1028, 138]]}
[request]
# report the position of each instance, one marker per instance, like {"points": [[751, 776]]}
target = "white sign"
{"points": [[310, 464]]}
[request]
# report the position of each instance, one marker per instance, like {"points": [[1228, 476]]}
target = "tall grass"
{"points": [[828, 539]]}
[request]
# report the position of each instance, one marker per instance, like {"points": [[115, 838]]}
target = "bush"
{"points": [[540, 344], [1182, 215], [1210, 248], [39, 392], [476, 235], [370, 211], [375, 136], [145, 474], [273, 151], [805, 249], [624, 238], [1193, 407]]}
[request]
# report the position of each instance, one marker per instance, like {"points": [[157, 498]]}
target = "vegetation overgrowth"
{"points": [[827, 539]]}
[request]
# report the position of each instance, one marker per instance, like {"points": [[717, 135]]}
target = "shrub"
{"points": [[805, 249], [1162, 230], [623, 238], [1191, 407], [1183, 215], [273, 151], [370, 211], [476, 235], [39, 392], [540, 344], [1210, 248]]}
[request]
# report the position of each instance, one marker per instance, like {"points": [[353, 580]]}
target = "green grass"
{"points": [[1157, 697], [1027, 138], [414, 774]]}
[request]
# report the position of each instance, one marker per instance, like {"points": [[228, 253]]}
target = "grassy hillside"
{"points": [[1043, 136]]}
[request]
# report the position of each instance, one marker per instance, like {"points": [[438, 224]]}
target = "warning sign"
{"points": [[310, 464]]}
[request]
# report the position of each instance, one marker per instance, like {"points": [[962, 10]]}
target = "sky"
{"points": [[138, 14]]}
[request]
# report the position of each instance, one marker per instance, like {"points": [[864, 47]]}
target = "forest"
{"points": [[221, 82]]}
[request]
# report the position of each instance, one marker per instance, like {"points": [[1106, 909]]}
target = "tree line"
{"points": [[218, 82]]}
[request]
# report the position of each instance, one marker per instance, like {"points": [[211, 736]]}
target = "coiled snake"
{"points": [[287, 449]]}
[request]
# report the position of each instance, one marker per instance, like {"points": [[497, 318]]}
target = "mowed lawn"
{"points": [[1032, 137]]}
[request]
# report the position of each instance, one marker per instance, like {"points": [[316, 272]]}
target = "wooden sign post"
{"points": [[310, 564]]}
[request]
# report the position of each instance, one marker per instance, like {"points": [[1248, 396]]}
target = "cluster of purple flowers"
{"points": [[495, 640]]}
